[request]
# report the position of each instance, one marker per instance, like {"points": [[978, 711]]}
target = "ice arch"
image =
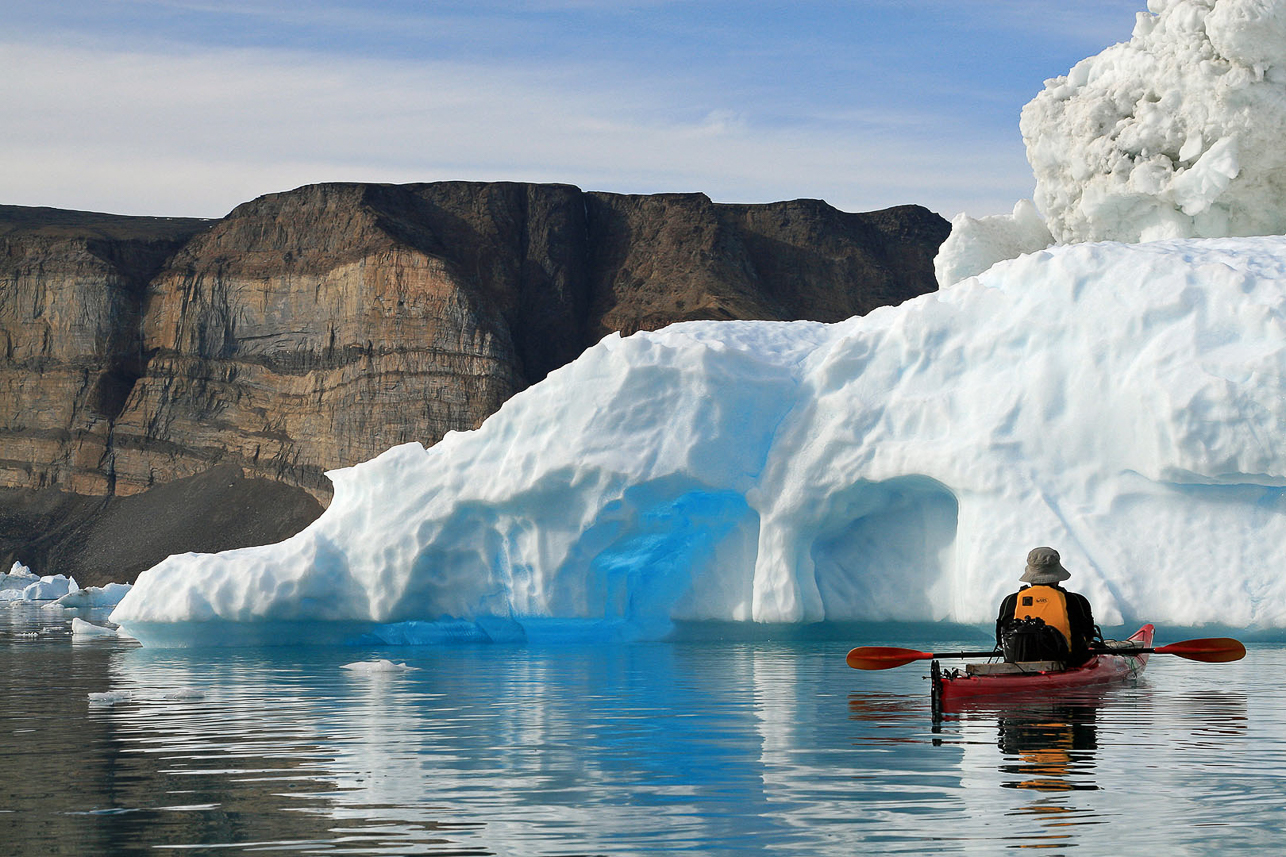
{"points": [[889, 553]]}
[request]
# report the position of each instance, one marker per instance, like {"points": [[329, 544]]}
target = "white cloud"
{"points": [[195, 134]]}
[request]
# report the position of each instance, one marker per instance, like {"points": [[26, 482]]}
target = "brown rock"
{"points": [[313, 329], [71, 287], [99, 540]]}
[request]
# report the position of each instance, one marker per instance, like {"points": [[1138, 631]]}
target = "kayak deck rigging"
{"points": [[1035, 677]]}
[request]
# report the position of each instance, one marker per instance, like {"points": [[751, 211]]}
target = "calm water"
{"points": [[710, 748]]}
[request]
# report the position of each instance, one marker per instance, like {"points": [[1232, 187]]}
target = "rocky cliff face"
{"points": [[313, 329], [71, 296]]}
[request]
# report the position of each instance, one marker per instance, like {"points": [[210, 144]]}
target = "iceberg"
{"points": [[20, 584], [18, 578], [1120, 402]]}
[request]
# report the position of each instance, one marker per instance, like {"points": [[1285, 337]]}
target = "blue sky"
{"points": [[189, 107]]}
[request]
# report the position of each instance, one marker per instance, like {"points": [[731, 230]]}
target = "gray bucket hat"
{"points": [[1044, 567]]}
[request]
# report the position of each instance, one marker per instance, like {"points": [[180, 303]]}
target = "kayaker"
{"points": [[1043, 621]]}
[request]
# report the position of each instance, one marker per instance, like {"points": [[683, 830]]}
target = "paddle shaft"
{"points": [[1215, 650], [1172, 649], [996, 653]]}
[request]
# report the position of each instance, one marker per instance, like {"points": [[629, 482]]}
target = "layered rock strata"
{"points": [[72, 287]]}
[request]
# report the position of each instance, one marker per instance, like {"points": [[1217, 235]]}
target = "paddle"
{"points": [[1211, 650]]}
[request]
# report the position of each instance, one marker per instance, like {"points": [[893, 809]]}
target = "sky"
{"points": [[190, 107]]}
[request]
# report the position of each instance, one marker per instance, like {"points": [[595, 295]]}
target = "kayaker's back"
{"points": [[1042, 621]]}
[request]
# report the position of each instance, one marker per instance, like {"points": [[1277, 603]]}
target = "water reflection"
{"points": [[571, 748], [717, 749], [1049, 751], [887, 711]]}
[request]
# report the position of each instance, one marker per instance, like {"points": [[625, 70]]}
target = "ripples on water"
{"points": [[711, 748]]}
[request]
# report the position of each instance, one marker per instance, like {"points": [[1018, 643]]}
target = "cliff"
{"points": [[313, 329]]}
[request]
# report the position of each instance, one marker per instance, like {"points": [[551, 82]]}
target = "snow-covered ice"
{"points": [[17, 577], [1174, 133], [1123, 403], [975, 244], [1171, 134]]}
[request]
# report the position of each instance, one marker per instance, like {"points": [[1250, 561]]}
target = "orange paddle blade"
{"points": [[883, 657], [1211, 650]]}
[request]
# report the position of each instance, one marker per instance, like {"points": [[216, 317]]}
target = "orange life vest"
{"points": [[1047, 603]]}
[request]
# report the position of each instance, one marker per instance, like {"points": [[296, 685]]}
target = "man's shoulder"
{"points": [[1080, 601]]}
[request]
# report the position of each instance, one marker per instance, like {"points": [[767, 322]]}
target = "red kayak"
{"points": [[1038, 677]]}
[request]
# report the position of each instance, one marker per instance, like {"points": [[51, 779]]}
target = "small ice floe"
{"points": [[376, 667], [183, 693], [80, 629], [95, 596], [112, 697]]}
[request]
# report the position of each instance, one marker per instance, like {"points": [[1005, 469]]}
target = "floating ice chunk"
{"points": [[80, 629], [380, 666], [49, 587], [95, 596], [110, 697], [181, 693]]}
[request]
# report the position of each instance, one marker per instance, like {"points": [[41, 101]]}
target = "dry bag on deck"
{"points": [[1032, 640]]}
